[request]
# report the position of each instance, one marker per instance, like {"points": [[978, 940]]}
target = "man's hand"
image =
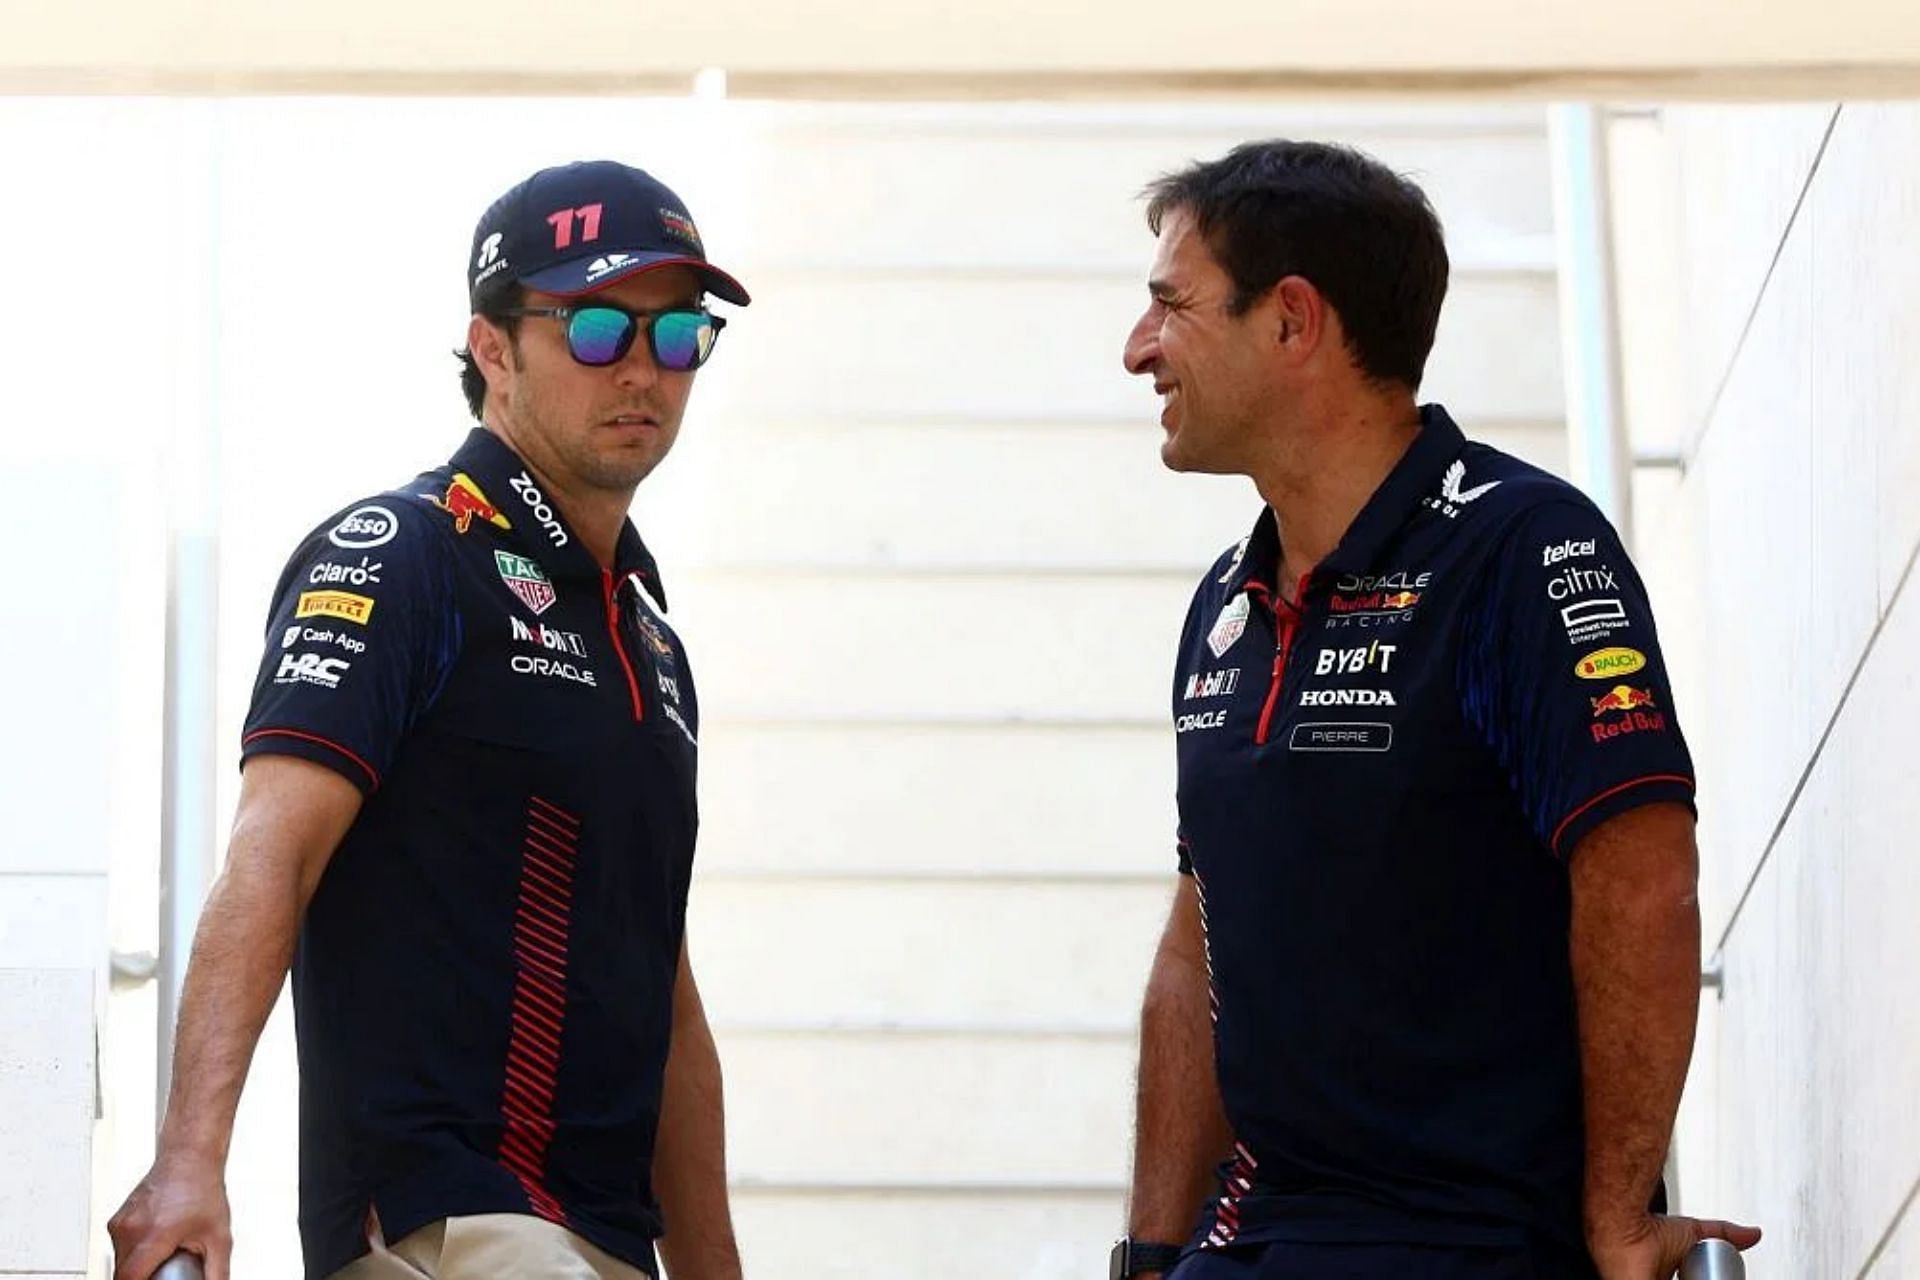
{"points": [[1651, 1249], [180, 1204], [292, 815]]}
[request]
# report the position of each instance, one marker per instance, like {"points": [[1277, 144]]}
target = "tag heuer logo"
{"points": [[1229, 626], [525, 579]]}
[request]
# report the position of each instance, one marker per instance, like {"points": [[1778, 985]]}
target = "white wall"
{"points": [[934, 614], [94, 335], [1782, 565], [918, 538]]}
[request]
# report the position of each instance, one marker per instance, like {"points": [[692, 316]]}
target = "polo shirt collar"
{"points": [[493, 465], [1417, 474]]}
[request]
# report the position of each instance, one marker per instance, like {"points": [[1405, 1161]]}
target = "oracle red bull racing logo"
{"points": [[1637, 710], [464, 501], [1387, 603]]}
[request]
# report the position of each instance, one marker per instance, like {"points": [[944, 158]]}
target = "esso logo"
{"points": [[364, 527]]}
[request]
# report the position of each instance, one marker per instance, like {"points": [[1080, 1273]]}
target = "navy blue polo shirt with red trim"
{"points": [[483, 987], [1383, 770]]}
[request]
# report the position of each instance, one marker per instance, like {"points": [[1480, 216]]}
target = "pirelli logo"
{"points": [[334, 604]]}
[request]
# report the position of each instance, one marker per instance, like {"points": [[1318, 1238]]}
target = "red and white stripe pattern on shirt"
{"points": [[1226, 1210], [539, 1015], [1206, 944]]}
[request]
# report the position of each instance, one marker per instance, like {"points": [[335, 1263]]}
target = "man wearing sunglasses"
{"points": [[467, 815]]}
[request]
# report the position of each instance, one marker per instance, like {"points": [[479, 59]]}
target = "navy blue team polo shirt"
{"points": [[1379, 787], [483, 987]]}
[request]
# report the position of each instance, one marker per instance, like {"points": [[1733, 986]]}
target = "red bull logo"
{"points": [[464, 501], [1621, 698], [1635, 708], [655, 641], [1374, 602]]}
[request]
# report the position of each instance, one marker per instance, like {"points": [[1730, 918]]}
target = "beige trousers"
{"points": [[487, 1246]]}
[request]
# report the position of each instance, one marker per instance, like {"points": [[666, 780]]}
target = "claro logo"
{"points": [[536, 501]]}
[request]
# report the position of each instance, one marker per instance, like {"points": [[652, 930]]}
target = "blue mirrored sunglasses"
{"points": [[681, 338]]}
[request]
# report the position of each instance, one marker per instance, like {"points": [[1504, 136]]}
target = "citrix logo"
{"points": [[1577, 581]]}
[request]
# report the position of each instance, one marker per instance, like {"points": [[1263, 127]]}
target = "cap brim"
{"points": [[577, 278]]}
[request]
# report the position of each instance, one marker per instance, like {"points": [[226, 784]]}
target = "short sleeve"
{"points": [[1183, 854], [1560, 669], [361, 636]]}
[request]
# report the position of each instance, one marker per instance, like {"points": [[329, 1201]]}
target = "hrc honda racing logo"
{"points": [[311, 668]]}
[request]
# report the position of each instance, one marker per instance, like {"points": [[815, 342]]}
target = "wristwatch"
{"points": [[1130, 1257]]}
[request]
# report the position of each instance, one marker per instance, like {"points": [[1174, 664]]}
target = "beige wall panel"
{"points": [[1740, 171], [46, 1114], [1822, 1141], [937, 800], [806, 37], [1670, 550], [1756, 462], [912, 1110], [968, 496], [785, 953], [840, 347], [1901, 1260], [935, 647], [53, 921], [1009, 1235], [1864, 209], [1863, 324], [1054, 189], [263, 1182], [1646, 228]]}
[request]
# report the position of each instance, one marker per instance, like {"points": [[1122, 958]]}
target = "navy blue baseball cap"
{"points": [[576, 228]]}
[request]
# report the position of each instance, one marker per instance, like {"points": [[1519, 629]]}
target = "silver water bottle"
{"points": [[1713, 1260], [181, 1266]]}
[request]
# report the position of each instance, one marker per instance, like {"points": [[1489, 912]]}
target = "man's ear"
{"points": [[1297, 316], [492, 350]]}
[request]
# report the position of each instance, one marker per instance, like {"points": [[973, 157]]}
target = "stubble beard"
{"points": [[614, 471]]}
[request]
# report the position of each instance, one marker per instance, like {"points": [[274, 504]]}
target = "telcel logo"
{"points": [[1551, 554]]}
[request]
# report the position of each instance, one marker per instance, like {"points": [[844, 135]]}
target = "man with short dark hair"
{"points": [[1429, 983], [467, 815]]}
